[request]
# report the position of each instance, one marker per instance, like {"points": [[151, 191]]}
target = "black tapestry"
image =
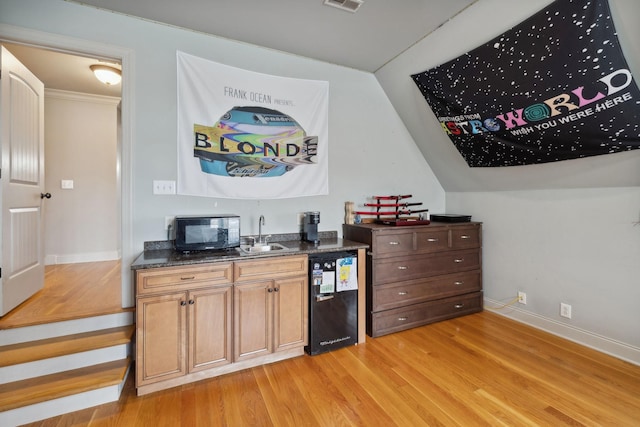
{"points": [[555, 87]]}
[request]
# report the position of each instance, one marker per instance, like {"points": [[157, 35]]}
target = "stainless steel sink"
{"points": [[260, 248]]}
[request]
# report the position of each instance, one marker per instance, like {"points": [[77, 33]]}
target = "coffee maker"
{"points": [[310, 227]]}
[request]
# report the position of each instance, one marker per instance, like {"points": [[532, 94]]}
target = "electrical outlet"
{"points": [[164, 187], [522, 298], [168, 221], [565, 310]]}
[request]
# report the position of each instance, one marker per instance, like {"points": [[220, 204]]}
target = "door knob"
{"points": [[45, 195]]}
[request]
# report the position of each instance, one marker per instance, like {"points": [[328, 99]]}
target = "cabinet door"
{"points": [[161, 337], [290, 311], [253, 314], [210, 328]]}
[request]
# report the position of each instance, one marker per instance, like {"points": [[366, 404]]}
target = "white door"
{"points": [[22, 182]]}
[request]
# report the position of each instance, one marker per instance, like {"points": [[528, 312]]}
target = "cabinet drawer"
{"points": [[405, 243], [393, 295], [181, 278], [385, 244], [465, 237], [414, 267], [432, 240], [270, 267], [399, 319]]}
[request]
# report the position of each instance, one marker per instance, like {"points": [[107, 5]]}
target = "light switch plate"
{"points": [[164, 187], [66, 184]]}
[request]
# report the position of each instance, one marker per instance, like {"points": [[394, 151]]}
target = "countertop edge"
{"points": [[170, 258]]}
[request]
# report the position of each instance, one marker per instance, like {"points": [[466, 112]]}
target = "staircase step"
{"points": [[35, 390], [15, 354]]}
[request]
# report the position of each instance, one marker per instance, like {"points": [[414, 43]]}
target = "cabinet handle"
{"points": [[276, 289], [183, 303], [458, 282], [402, 267], [403, 293], [394, 243], [188, 278], [403, 319], [458, 260], [458, 306], [465, 236], [433, 239], [270, 290], [191, 302]]}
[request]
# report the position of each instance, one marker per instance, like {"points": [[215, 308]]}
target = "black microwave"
{"points": [[199, 233]]}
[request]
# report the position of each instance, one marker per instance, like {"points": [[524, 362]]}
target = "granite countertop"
{"points": [[162, 253]]}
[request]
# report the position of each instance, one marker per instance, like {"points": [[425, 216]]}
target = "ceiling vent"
{"points": [[348, 5]]}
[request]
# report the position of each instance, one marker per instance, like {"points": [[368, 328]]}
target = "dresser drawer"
{"points": [[432, 240], [385, 244], [414, 267], [465, 237], [386, 322], [393, 295], [182, 278]]}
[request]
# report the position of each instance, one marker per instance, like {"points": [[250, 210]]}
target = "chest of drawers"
{"points": [[420, 274]]}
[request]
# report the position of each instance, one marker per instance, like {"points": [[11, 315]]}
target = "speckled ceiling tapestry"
{"points": [[555, 87]]}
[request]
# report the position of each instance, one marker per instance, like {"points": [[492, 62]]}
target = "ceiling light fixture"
{"points": [[106, 74]]}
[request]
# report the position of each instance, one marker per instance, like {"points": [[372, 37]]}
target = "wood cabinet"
{"points": [[183, 321], [270, 307], [195, 321], [420, 274]]}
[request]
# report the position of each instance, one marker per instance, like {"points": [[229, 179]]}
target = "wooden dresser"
{"points": [[420, 274]]}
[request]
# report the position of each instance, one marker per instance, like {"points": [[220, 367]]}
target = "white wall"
{"points": [[371, 151], [81, 224], [561, 232]]}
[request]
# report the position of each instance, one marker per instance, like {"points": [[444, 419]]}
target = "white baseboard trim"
{"points": [[605, 345], [83, 257]]}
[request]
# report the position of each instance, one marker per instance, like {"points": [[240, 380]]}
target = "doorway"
{"points": [[102, 257]]}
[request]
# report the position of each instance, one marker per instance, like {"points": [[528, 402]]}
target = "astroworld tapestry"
{"points": [[248, 135], [555, 87]]}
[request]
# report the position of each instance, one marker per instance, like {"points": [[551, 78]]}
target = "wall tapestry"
{"points": [[555, 87], [246, 135]]}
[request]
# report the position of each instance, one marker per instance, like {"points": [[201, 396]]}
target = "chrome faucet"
{"points": [[260, 224]]}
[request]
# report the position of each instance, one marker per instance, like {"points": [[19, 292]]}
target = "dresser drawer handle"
{"points": [[394, 243], [403, 293], [458, 260], [458, 282], [433, 239], [188, 278], [403, 267], [465, 236], [459, 306], [403, 319]]}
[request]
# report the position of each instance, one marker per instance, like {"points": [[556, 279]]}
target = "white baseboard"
{"points": [[83, 257], [606, 345]]}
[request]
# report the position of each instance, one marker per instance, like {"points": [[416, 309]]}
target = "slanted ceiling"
{"points": [[465, 32]]}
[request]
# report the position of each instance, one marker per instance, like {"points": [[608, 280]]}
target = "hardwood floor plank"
{"points": [[71, 291], [478, 370], [274, 381]]}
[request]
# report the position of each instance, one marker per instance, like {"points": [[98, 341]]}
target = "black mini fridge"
{"points": [[333, 301]]}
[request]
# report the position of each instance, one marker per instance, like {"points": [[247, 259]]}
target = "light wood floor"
{"points": [[478, 370], [71, 291]]}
